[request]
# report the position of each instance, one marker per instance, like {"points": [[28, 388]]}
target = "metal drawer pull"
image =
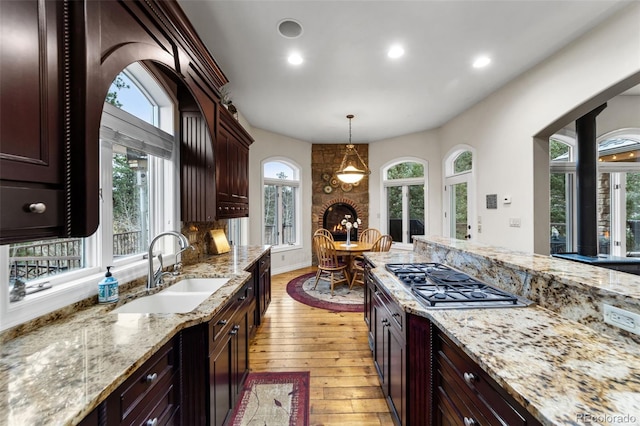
{"points": [[153, 422], [469, 422], [37, 208], [222, 322], [470, 378], [151, 377]]}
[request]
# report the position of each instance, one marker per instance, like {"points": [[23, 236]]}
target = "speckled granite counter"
{"points": [[565, 373], [58, 373]]}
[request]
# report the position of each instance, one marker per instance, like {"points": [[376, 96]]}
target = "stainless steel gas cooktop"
{"points": [[438, 286]]}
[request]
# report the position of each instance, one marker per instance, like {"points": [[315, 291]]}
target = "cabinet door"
{"points": [[397, 372], [31, 120], [220, 381], [224, 164], [380, 343]]}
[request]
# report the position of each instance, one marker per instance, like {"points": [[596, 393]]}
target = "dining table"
{"points": [[355, 248]]}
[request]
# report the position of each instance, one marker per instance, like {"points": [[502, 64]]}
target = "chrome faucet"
{"points": [[155, 277]]}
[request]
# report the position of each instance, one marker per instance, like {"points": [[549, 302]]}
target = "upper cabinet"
{"points": [[232, 167], [57, 61], [34, 102]]}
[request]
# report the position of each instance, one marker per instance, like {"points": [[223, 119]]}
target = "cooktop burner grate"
{"points": [[439, 286]]}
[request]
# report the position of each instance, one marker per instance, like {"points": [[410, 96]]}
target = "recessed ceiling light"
{"points": [[481, 62], [295, 59], [395, 51], [289, 28]]}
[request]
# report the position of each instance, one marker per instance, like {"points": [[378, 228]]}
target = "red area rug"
{"points": [[343, 299], [273, 399]]}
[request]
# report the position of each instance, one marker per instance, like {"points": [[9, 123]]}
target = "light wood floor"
{"points": [[333, 347]]}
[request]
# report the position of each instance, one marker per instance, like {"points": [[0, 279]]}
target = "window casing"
{"points": [[145, 151], [280, 203], [405, 199], [459, 193]]}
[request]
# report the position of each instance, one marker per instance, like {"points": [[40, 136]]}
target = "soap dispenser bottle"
{"points": [[108, 288]]}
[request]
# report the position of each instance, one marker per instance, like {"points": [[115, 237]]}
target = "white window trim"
{"points": [[385, 183], [296, 182]]}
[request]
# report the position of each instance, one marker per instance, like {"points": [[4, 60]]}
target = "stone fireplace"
{"points": [[332, 199]]}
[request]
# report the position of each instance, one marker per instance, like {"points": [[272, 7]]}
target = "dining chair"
{"points": [[383, 243], [369, 235], [323, 231], [329, 267]]}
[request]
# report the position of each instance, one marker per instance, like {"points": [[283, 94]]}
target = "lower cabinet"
{"points": [[425, 377], [261, 272], [151, 395]]}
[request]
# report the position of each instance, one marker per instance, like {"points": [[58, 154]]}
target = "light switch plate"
{"points": [[625, 320]]}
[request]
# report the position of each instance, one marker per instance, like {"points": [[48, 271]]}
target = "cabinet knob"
{"points": [[151, 377], [468, 421], [153, 422], [470, 378], [37, 208], [223, 322], [242, 298]]}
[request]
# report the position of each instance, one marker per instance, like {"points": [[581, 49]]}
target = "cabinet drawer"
{"points": [[219, 325], [265, 263], [162, 408], [16, 212], [485, 398], [153, 378], [393, 309]]}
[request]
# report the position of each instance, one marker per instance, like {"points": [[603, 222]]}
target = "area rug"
{"points": [[273, 399], [343, 300]]}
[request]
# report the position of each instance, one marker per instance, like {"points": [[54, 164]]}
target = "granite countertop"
{"points": [[563, 372], [58, 373]]}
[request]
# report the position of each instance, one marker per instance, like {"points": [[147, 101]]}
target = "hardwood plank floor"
{"points": [[333, 347]]}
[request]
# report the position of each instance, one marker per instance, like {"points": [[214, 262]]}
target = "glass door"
{"points": [[459, 216]]}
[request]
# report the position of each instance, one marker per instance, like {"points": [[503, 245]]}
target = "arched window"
{"points": [[281, 202], [618, 193], [138, 201], [459, 195], [404, 183]]}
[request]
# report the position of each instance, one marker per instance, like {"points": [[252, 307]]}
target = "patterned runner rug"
{"points": [[343, 300], [273, 399]]}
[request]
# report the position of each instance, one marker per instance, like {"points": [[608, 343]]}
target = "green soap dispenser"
{"points": [[108, 288]]}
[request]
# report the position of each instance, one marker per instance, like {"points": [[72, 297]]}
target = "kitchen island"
{"points": [[562, 372], [59, 372]]}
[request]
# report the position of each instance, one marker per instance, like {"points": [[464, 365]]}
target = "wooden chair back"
{"points": [[325, 232], [326, 253], [369, 235], [383, 243]]}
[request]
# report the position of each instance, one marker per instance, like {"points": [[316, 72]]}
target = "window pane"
{"points": [[288, 215], [394, 212], [38, 260], [126, 95], [270, 215], [558, 212], [603, 206], [558, 151], [619, 150], [416, 211], [130, 201], [463, 162], [459, 210], [279, 170], [405, 170], [633, 214]]}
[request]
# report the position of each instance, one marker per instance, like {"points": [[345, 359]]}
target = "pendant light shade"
{"points": [[352, 169]]}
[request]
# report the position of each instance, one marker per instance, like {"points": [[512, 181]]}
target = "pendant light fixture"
{"points": [[352, 169]]}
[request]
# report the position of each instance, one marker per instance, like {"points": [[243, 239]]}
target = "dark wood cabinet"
{"points": [[33, 106], [57, 61], [466, 395], [151, 395], [264, 285], [228, 355], [389, 350], [232, 167]]}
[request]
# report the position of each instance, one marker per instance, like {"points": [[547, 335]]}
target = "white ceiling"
{"points": [[346, 70]]}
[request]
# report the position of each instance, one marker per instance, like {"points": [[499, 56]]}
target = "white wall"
{"points": [[502, 127], [423, 145], [268, 145]]}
